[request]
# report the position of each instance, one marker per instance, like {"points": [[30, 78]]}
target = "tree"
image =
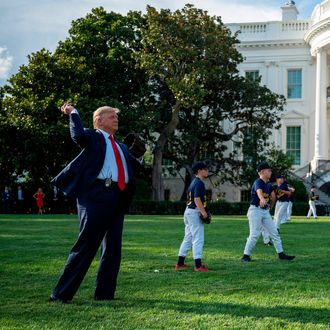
{"points": [[281, 163], [259, 110], [30, 126], [93, 67], [192, 56], [300, 194], [181, 52], [173, 75]]}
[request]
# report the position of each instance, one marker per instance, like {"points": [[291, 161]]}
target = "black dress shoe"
{"points": [[53, 298]]}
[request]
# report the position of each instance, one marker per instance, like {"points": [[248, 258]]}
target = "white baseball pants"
{"points": [[281, 213], [193, 234], [259, 218], [289, 213], [312, 209]]}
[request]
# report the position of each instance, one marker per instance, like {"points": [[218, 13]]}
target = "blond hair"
{"points": [[100, 111]]}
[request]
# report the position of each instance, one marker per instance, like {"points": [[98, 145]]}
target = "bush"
{"points": [[300, 194], [300, 208], [151, 207], [216, 208], [226, 208], [168, 207]]}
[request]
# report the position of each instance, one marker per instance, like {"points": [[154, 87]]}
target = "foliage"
{"points": [[29, 125], [193, 55], [280, 162], [92, 67], [300, 207], [266, 294], [173, 75], [300, 194], [154, 207]]}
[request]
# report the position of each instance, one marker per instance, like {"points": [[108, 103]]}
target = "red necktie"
{"points": [[119, 162]]}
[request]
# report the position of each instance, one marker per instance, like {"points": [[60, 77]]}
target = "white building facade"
{"points": [[292, 57]]}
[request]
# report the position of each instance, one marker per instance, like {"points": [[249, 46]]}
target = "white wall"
{"points": [[273, 48]]}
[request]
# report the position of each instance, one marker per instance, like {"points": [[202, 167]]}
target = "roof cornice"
{"points": [[269, 44], [317, 29]]}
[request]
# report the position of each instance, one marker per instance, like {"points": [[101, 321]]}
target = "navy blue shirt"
{"points": [[196, 189], [266, 188], [280, 195], [313, 196]]}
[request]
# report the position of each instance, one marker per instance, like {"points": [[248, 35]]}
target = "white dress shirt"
{"points": [[109, 169]]}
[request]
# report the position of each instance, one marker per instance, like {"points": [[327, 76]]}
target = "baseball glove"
{"points": [[135, 145], [206, 220]]}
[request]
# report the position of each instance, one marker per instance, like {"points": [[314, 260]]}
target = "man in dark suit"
{"points": [[101, 177]]}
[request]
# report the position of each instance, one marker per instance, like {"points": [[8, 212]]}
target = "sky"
{"points": [[27, 26]]}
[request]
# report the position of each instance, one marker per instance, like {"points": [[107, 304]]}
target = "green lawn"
{"points": [[264, 294]]}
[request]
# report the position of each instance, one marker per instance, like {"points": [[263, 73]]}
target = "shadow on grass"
{"points": [[292, 314]]}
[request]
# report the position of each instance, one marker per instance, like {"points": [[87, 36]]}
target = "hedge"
{"points": [[216, 208]]}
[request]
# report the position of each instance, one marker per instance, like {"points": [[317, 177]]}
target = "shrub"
{"points": [[216, 208]]}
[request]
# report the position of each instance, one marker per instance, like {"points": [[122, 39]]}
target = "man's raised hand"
{"points": [[67, 108]]}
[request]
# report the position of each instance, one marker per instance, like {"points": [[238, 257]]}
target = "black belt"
{"points": [[108, 183], [263, 208], [191, 207]]}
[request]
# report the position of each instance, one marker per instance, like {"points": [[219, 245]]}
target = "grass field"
{"points": [[264, 294]]}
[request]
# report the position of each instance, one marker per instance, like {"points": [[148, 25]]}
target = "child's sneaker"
{"points": [[201, 269]]}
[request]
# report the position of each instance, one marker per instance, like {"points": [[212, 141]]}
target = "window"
{"points": [[293, 143], [252, 75], [206, 154], [167, 162], [237, 149], [294, 84], [245, 195]]}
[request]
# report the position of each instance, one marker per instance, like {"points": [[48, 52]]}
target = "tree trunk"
{"points": [[157, 179], [187, 181]]}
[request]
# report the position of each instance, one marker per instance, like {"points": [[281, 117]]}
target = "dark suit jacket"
{"points": [[75, 179]]}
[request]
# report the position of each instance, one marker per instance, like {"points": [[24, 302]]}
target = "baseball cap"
{"points": [[280, 176], [198, 166], [263, 166]]}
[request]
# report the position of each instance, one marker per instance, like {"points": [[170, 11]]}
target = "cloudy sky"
{"points": [[27, 26]]}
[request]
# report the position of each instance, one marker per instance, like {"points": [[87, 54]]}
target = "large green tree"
{"points": [[193, 57], [173, 75], [92, 67]]}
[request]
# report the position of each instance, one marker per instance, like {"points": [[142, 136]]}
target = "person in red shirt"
{"points": [[39, 197]]}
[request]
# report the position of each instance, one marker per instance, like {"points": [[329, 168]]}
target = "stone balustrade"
{"points": [[277, 30]]}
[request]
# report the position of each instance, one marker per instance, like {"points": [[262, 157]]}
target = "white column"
{"points": [[272, 81], [321, 131]]}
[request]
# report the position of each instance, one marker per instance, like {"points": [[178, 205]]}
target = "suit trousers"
{"points": [[101, 220]]}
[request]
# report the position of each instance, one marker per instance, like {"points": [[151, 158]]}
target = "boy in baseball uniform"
{"points": [[312, 207], [262, 199], [283, 194], [194, 227]]}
